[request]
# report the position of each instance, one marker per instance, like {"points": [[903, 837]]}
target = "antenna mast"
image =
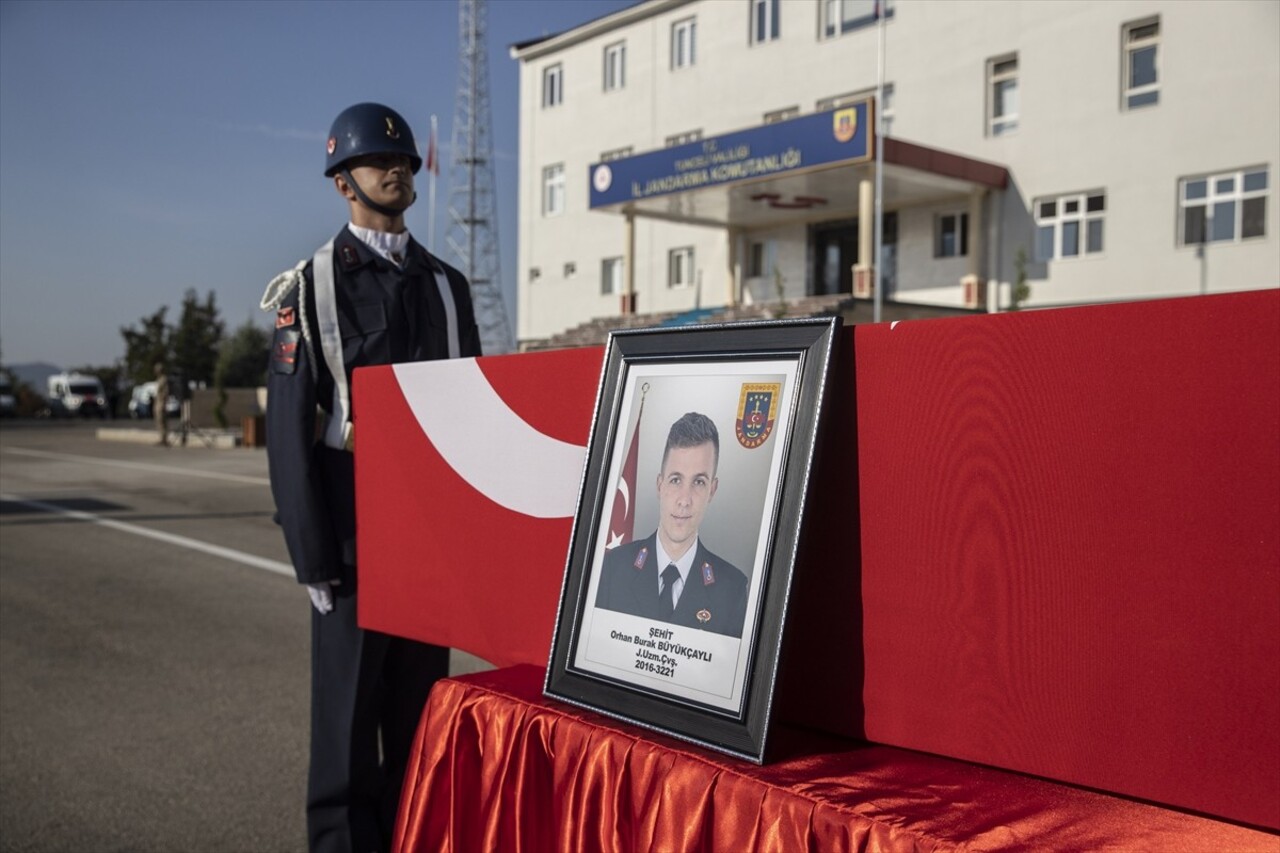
{"points": [[472, 234]]}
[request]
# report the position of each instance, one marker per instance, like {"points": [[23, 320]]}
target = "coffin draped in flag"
{"points": [[463, 466]]}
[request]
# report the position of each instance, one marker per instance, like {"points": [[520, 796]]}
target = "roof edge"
{"points": [[535, 48]]}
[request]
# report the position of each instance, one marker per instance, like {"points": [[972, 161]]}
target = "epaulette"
{"points": [[277, 291], [280, 286]]}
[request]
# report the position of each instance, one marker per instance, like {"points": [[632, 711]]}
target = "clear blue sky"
{"points": [[151, 147]]}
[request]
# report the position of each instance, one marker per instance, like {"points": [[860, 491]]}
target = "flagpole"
{"points": [[432, 168], [877, 280]]}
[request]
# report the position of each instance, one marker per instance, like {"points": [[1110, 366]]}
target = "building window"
{"points": [[570, 269], [760, 259], [683, 43], [764, 20], [1226, 207], [1002, 95], [1069, 226], [552, 85], [1141, 84], [616, 153], [553, 190], [680, 267], [781, 115], [841, 16], [682, 138], [535, 273], [611, 277], [615, 66], [951, 235]]}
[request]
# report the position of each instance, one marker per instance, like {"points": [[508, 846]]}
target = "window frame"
{"points": [[1129, 47], [828, 28], [553, 190], [617, 50], [1082, 218], [553, 85], [1006, 123], [684, 25], [959, 230], [674, 256], [1213, 196], [677, 139], [766, 30], [612, 272]]}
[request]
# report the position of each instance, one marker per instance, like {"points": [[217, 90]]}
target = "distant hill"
{"points": [[34, 374]]}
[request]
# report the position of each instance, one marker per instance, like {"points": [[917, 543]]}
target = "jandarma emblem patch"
{"points": [[757, 410]]}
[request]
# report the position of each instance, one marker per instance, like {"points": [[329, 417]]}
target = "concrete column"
{"points": [[973, 286], [629, 266], [733, 236], [864, 269]]}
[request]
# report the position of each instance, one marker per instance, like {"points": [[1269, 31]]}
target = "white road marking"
{"points": [[141, 466], [170, 538]]}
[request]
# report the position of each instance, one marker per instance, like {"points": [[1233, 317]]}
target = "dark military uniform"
{"points": [[714, 596], [363, 682]]}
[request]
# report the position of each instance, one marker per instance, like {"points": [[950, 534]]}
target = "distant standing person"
{"points": [[372, 295], [159, 404]]}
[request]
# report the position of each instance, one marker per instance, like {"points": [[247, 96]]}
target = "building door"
{"points": [[835, 251]]}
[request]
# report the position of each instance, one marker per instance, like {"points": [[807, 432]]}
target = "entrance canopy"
{"points": [[804, 169]]}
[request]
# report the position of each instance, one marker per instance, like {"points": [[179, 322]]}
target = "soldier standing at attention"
{"points": [[371, 295], [159, 404]]}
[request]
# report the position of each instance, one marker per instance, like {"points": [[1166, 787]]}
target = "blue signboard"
{"points": [[821, 139]]}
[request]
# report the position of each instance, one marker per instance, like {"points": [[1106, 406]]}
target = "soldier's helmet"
{"points": [[368, 129]]}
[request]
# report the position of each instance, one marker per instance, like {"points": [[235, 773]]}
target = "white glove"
{"points": [[322, 595]]}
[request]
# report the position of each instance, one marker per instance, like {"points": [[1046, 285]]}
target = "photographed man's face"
{"points": [[685, 488]]}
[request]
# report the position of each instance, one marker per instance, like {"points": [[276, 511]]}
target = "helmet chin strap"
{"points": [[370, 203]]}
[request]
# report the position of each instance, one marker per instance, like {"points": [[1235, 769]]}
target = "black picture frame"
{"points": [[696, 681]]}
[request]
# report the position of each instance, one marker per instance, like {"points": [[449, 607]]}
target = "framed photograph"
{"points": [[689, 515]]}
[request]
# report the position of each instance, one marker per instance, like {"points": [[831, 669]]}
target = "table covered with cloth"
{"points": [[497, 766]]}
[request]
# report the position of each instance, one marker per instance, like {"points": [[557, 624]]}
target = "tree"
{"points": [[194, 342], [146, 346], [242, 361]]}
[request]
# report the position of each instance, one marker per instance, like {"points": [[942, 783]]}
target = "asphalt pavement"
{"points": [[153, 649]]}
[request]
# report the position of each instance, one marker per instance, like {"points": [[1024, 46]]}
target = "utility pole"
{"points": [[472, 233]]}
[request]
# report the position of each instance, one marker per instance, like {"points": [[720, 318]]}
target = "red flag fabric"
{"points": [[623, 521], [433, 159]]}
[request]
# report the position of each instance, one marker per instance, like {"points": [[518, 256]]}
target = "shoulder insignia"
{"points": [[286, 316], [708, 576], [281, 286], [641, 557], [284, 351]]}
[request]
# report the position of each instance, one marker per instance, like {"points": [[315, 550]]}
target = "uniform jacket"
{"points": [[386, 316], [715, 588]]}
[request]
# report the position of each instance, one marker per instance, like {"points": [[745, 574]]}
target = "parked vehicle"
{"points": [[144, 394], [8, 403], [72, 394]]}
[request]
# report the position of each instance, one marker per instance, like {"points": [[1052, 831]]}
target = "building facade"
{"points": [[678, 155]]}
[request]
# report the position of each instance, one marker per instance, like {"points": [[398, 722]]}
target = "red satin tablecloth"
{"points": [[498, 767]]}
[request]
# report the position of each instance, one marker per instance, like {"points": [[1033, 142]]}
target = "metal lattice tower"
{"points": [[472, 233]]}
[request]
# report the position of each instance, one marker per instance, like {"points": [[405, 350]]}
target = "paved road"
{"points": [[153, 657]]}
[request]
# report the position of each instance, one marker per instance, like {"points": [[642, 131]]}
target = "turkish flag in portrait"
{"points": [[622, 523]]}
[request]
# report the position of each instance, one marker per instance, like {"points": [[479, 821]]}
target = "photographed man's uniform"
{"points": [[355, 304], [713, 598]]}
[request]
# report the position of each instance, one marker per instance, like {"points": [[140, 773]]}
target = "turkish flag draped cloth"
{"points": [[622, 523]]}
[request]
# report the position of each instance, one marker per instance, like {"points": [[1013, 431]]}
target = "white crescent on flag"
{"points": [[492, 447]]}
